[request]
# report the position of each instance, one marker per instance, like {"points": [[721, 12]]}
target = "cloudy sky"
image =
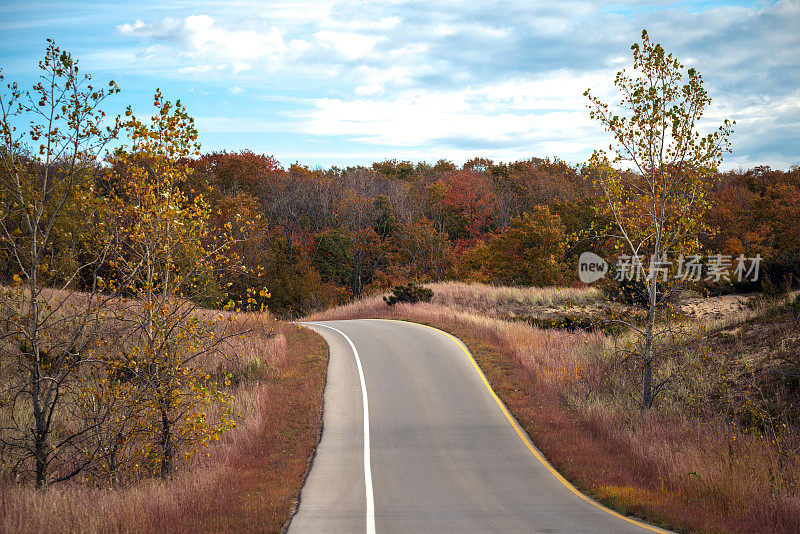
{"points": [[327, 83]]}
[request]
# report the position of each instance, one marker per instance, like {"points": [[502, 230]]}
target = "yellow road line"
{"points": [[524, 437]]}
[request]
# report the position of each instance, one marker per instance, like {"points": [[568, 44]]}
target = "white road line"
{"points": [[367, 469]]}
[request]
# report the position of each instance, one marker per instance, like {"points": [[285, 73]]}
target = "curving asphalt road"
{"points": [[442, 454]]}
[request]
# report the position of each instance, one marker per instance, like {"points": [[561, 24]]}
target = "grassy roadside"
{"points": [[685, 472], [248, 482], [262, 481]]}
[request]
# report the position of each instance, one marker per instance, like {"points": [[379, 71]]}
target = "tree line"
{"points": [[327, 235]]}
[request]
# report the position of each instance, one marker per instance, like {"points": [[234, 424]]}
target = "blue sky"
{"points": [[327, 83]]}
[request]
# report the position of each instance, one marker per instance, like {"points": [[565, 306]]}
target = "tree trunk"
{"points": [[647, 364], [647, 368], [112, 468], [40, 451], [166, 444], [40, 448], [356, 279]]}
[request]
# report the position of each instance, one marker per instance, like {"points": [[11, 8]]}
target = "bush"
{"points": [[573, 322], [410, 293]]}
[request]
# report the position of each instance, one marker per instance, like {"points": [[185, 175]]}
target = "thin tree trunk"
{"points": [[166, 444], [40, 442], [112, 465], [647, 386]]}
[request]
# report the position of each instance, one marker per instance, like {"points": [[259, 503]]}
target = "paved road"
{"points": [[441, 453]]}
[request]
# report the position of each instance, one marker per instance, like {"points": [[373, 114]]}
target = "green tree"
{"points": [[288, 271], [333, 256], [656, 176]]}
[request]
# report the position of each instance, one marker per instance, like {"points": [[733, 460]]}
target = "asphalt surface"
{"points": [[441, 455]]}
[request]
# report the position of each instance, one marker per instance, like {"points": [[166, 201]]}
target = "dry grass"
{"points": [[510, 301], [247, 482], [688, 471]]}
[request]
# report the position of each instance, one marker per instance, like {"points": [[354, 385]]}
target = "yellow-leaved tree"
{"points": [[52, 136], [165, 256], [656, 178]]}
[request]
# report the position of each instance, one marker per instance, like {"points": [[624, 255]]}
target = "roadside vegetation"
{"points": [[143, 386], [248, 481]]}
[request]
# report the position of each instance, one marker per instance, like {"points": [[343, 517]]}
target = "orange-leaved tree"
{"points": [[529, 252], [473, 202]]}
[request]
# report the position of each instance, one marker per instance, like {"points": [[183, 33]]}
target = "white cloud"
{"points": [[163, 29], [199, 37], [235, 45], [561, 89], [200, 69], [433, 77], [374, 80], [384, 24], [293, 10], [444, 30], [351, 45], [452, 120]]}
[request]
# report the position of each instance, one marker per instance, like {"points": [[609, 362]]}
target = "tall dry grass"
{"points": [[686, 471], [247, 482], [498, 301]]}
